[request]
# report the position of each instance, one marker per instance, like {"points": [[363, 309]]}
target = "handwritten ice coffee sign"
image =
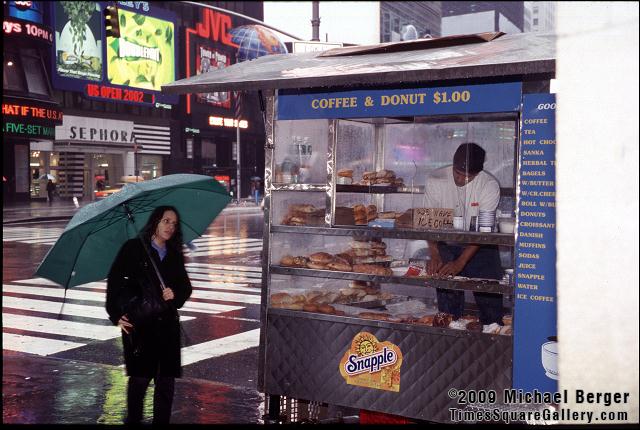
{"points": [[432, 218]]}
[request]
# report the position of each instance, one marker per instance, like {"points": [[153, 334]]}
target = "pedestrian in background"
{"points": [[51, 188], [147, 314]]}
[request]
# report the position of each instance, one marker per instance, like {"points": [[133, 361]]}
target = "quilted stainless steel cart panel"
{"points": [[303, 355]]}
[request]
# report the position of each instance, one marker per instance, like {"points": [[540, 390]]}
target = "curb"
{"points": [[68, 217]]}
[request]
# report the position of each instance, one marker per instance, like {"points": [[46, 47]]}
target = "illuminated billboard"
{"points": [[131, 68], [78, 30], [209, 59], [144, 54]]}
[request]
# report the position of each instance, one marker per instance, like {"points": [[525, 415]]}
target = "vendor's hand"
{"points": [[167, 294], [452, 268], [125, 325], [435, 263]]}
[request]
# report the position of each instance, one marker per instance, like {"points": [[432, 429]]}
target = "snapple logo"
{"points": [[370, 363]]}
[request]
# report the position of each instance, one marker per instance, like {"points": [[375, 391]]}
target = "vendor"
{"points": [[466, 188]]}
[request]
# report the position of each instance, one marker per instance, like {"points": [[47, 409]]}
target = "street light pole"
{"points": [[238, 173]]}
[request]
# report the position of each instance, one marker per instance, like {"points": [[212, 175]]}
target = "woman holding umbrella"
{"points": [[146, 284]]}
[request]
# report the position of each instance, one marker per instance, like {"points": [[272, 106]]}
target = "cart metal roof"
{"points": [[482, 55]]}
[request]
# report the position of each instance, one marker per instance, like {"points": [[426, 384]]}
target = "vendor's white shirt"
{"points": [[441, 191]]}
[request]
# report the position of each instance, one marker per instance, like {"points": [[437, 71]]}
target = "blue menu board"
{"points": [[535, 349], [369, 103]]}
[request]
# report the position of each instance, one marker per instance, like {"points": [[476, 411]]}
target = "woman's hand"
{"points": [[167, 294], [125, 325]]}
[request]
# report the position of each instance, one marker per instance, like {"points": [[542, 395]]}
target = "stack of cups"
{"points": [[486, 220]]}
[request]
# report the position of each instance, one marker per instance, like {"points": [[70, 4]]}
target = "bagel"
{"points": [[382, 174], [326, 309], [321, 258], [360, 245], [369, 175], [387, 215], [281, 298], [305, 208], [341, 266], [426, 320], [287, 260], [310, 307], [316, 266], [345, 173], [294, 306]]}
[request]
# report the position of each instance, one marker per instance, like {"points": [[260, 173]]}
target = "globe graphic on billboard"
{"points": [[255, 41]]}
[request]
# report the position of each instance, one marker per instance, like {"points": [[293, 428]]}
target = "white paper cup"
{"points": [[458, 223]]}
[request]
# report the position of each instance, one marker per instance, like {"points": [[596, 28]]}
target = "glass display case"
{"points": [[349, 229]]}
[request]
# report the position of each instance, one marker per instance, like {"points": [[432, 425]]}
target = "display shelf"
{"points": [[378, 189], [420, 328], [486, 286], [504, 239], [299, 187]]}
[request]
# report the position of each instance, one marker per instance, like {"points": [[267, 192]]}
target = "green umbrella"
{"points": [[89, 244]]}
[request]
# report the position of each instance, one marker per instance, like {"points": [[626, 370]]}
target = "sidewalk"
{"points": [[65, 209], [45, 390]]}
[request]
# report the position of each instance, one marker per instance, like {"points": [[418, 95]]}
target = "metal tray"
{"points": [[480, 286], [504, 239]]}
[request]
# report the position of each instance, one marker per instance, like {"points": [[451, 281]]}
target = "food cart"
{"points": [[348, 316]]}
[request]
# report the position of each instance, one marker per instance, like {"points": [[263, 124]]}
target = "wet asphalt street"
{"points": [[66, 368]]}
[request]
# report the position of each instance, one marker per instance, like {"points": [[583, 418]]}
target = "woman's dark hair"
{"points": [[150, 228]]}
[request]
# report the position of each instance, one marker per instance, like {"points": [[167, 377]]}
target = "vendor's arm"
{"points": [[435, 263], [456, 266]]}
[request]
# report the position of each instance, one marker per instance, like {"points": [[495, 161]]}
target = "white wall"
{"points": [[505, 24], [469, 23], [597, 196], [345, 21]]}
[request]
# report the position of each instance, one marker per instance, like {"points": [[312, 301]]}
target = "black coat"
{"points": [[154, 347]]}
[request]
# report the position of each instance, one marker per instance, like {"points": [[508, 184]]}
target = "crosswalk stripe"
{"points": [[218, 347], [228, 267], [227, 240], [246, 278], [204, 282], [208, 308], [232, 270], [197, 281], [226, 297], [209, 252], [36, 345], [62, 327], [86, 311], [90, 296]]}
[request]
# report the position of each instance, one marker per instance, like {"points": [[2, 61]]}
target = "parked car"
{"points": [[109, 190]]}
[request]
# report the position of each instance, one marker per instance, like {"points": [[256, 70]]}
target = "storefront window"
{"points": [[34, 72], [150, 166], [24, 71], [12, 76]]}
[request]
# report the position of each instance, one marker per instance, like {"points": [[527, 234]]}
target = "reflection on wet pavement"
{"points": [[45, 390]]}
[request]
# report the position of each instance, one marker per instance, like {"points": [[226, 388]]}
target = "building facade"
{"points": [[409, 20], [464, 17], [97, 101], [540, 16]]}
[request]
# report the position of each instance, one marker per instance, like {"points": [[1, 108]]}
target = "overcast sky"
{"points": [[345, 21]]}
